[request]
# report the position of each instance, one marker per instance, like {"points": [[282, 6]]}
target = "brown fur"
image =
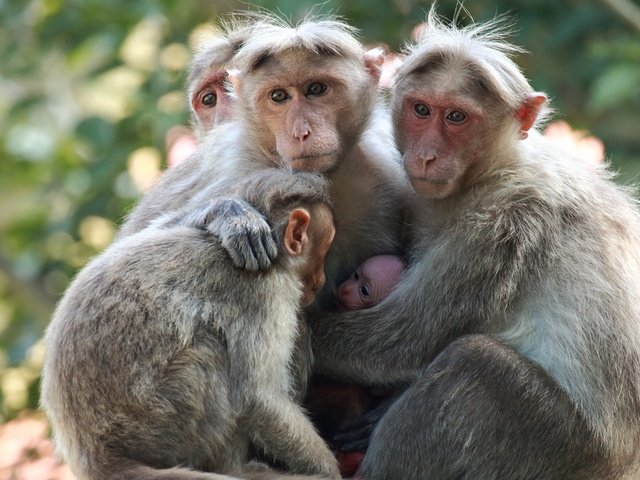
{"points": [[151, 366]]}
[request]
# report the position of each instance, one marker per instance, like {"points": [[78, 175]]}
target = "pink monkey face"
{"points": [[372, 281]]}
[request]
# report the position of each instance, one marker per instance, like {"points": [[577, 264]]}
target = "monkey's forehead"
{"points": [[466, 62], [330, 38], [298, 66]]}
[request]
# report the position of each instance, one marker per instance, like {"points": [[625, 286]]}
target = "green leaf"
{"points": [[616, 86]]}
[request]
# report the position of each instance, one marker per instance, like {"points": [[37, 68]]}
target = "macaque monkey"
{"points": [[304, 98], [372, 281], [210, 100], [164, 357], [517, 321]]}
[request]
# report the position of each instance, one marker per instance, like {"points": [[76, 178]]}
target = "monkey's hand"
{"points": [[354, 433], [243, 232]]}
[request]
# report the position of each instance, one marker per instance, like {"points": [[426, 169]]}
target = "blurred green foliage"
{"points": [[89, 89]]}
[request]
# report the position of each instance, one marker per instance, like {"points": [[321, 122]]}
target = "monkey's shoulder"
{"points": [[552, 207]]}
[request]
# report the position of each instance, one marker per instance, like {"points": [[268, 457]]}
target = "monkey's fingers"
{"points": [[246, 255], [263, 247], [270, 247], [243, 233], [368, 419], [354, 433], [255, 250]]}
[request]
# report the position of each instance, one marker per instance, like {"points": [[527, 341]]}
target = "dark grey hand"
{"points": [[243, 232]]}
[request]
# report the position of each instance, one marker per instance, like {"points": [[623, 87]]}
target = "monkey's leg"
{"points": [[482, 411], [285, 432]]}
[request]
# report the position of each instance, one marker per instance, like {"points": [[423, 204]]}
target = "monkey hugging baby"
{"points": [[507, 320]]}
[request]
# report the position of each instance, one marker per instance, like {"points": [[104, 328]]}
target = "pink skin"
{"points": [[435, 127], [372, 281], [211, 101], [444, 135]]}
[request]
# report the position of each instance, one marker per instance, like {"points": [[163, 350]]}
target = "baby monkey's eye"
{"points": [[364, 291], [209, 99]]}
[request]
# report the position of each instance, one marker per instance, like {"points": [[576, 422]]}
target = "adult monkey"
{"points": [[209, 98], [305, 98], [518, 321]]}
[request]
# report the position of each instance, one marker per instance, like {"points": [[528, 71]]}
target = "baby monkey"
{"points": [[372, 281], [165, 361], [335, 406]]}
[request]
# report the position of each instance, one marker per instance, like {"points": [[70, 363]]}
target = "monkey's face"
{"points": [[210, 100], [309, 108], [443, 134], [372, 281]]}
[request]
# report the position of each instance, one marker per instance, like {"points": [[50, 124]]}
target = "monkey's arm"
{"points": [[460, 284], [262, 390], [284, 431]]}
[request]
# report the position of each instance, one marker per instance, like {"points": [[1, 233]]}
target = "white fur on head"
{"points": [[480, 48], [272, 35]]}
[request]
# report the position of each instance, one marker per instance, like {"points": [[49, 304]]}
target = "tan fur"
{"points": [[367, 183], [162, 354], [208, 74]]}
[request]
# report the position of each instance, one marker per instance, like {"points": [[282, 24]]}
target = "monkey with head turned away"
{"points": [[165, 361]]}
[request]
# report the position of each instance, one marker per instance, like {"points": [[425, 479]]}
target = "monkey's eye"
{"points": [[356, 275], [421, 109], [279, 95], [316, 89], [364, 291], [209, 99], [456, 117]]}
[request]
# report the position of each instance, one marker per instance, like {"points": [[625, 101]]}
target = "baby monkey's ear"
{"points": [[295, 234]]}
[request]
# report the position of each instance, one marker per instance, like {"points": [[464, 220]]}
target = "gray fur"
{"points": [[518, 321], [162, 354]]}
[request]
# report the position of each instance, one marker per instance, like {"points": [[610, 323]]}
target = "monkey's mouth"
{"points": [[315, 156], [432, 181]]}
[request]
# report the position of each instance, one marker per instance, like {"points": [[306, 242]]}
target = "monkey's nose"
{"points": [[344, 290], [427, 159], [301, 134]]}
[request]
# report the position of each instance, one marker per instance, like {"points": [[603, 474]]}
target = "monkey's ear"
{"points": [[373, 60], [528, 111], [295, 234]]}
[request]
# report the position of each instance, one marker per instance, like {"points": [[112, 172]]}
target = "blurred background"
{"points": [[91, 92]]}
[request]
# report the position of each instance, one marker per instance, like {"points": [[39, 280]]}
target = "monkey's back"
{"points": [[138, 363], [580, 319]]}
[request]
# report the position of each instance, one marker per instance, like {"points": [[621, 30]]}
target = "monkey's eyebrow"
{"points": [[260, 61], [433, 61]]}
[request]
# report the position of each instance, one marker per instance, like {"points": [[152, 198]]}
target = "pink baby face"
{"points": [[372, 281]]}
